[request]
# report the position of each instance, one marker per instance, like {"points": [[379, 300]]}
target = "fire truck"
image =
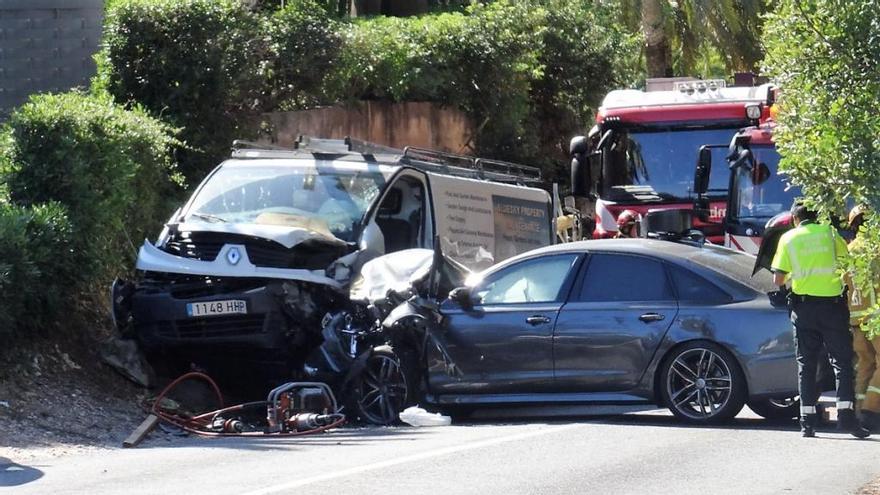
{"points": [[639, 155], [758, 195]]}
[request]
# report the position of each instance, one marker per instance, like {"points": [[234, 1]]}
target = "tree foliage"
{"points": [[691, 33], [826, 57]]}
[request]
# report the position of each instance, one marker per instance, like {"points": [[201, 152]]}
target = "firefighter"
{"points": [[866, 342], [626, 224], [808, 255]]}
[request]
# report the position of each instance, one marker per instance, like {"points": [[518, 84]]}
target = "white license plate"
{"points": [[214, 308]]}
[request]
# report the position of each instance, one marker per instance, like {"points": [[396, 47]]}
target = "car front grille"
{"points": [[213, 327], [206, 246], [269, 256], [186, 248]]}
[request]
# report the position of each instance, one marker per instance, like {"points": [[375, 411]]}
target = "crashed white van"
{"points": [[268, 243]]}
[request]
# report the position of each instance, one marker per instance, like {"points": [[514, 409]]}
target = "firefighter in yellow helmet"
{"points": [[809, 256], [866, 343]]}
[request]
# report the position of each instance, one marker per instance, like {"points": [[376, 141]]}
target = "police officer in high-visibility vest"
{"points": [[808, 256], [866, 339]]}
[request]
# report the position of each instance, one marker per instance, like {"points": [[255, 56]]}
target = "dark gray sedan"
{"points": [[628, 321]]}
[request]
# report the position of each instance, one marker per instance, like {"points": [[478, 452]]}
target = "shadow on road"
{"points": [[347, 436], [12, 474]]}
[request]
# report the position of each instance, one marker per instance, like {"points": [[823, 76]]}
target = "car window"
{"points": [[619, 277], [694, 289], [531, 281]]}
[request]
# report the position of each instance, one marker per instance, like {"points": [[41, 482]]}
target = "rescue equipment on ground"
{"points": [[292, 409]]}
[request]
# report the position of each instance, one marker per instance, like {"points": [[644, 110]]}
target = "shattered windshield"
{"points": [[760, 192], [331, 201], [665, 160]]}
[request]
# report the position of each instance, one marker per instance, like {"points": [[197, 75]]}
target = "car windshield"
{"points": [[328, 201], [759, 190], [665, 160], [736, 265]]}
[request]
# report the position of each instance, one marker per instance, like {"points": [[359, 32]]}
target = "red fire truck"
{"points": [[757, 192], [639, 155]]}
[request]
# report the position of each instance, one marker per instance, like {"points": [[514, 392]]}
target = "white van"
{"points": [[270, 240]]}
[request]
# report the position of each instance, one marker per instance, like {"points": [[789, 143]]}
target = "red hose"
{"points": [[192, 424]]}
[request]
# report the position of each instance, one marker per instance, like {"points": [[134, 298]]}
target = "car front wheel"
{"points": [[701, 383], [382, 390]]}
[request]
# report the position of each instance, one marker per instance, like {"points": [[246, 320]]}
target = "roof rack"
{"points": [[420, 158], [468, 166]]}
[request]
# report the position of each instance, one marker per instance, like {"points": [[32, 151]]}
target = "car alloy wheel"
{"points": [[382, 389], [702, 384]]}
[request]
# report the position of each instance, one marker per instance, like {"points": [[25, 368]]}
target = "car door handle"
{"points": [[649, 317], [537, 320]]}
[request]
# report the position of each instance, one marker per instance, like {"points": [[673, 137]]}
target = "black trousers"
{"points": [[817, 322]]}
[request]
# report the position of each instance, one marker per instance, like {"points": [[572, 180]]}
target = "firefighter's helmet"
{"points": [[626, 221], [856, 215]]}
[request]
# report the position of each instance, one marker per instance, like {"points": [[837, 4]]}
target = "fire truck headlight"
{"points": [[753, 112]]}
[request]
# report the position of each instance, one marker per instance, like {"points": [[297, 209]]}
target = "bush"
{"points": [[304, 42], [196, 63], [34, 274], [528, 73], [481, 60], [108, 167]]}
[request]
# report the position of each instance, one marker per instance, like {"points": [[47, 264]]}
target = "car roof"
{"points": [[705, 258], [662, 249]]}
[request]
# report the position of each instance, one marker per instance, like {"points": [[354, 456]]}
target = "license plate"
{"points": [[214, 308]]}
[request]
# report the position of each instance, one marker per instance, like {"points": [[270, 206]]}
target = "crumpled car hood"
{"points": [[285, 235]]}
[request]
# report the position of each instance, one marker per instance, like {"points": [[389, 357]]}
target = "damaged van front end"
{"points": [[251, 264]]}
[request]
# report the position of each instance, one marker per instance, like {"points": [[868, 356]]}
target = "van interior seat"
{"points": [[397, 233]]}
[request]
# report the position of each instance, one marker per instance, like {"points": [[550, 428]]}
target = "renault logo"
{"points": [[233, 256]]}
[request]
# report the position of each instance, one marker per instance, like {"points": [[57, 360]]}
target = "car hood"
{"points": [[285, 235]]}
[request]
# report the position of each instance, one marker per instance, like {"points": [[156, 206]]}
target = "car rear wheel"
{"points": [[787, 408], [702, 383], [382, 390]]}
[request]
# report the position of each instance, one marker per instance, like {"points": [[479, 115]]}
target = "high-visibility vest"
{"points": [[809, 254]]}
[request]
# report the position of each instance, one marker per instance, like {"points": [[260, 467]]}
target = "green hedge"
{"points": [[34, 280], [87, 181], [304, 43], [198, 64], [527, 72]]}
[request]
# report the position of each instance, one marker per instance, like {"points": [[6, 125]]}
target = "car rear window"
{"points": [[736, 265]]}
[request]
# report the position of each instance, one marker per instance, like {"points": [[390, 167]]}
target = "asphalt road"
{"points": [[645, 452]]}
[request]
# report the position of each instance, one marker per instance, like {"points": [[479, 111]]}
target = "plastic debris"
{"points": [[416, 416]]}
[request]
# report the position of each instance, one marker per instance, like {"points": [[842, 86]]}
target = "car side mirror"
{"points": [[462, 297]]}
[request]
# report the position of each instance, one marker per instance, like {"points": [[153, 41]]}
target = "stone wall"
{"points": [[397, 125]]}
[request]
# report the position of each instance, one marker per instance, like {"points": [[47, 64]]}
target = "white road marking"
{"points": [[411, 458]]}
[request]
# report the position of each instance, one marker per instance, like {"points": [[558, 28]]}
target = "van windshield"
{"points": [[327, 201]]}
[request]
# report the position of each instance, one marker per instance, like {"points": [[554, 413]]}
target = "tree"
{"points": [[678, 33], [826, 57]]}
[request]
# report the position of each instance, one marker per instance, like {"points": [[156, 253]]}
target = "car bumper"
{"points": [[161, 320]]}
